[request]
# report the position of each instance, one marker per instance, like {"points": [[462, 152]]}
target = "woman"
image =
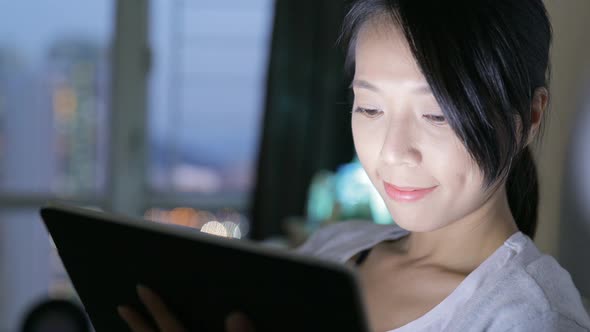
{"points": [[448, 98]]}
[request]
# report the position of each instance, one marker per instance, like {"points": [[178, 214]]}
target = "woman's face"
{"points": [[401, 137]]}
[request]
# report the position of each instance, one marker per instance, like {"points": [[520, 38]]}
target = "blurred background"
{"points": [[192, 111]]}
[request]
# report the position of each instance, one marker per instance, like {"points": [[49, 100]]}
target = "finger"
{"points": [[238, 322], [155, 305], [133, 319]]}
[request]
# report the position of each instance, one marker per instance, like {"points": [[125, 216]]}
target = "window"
{"points": [[207, 94], [205, 100], [53, 110], [206, 97], [53, 97]]}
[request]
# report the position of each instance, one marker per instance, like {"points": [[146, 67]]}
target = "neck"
{"points": [[463, 245]]}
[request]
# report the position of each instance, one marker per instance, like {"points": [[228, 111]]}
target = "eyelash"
{"points": [[436, 119], [366, 111]]}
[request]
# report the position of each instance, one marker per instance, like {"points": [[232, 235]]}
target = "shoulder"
{"points": [[341, 240], [558, 289], [530, 291], [548, 322]]}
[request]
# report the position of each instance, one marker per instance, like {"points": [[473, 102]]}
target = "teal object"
{"points": [[321, 200], [353, 191], [379, 210], [346, 194]]}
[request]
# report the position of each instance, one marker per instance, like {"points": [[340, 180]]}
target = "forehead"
{"points": [[383, 54]]}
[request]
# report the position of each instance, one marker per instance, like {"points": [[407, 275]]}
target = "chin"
{"points": [[415, 227], [416, 223]]}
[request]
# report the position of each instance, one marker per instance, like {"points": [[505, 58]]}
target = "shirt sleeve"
{"points": [[316, 240]]}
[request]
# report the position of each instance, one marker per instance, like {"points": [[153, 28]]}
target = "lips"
{"points": [[406, 194]]}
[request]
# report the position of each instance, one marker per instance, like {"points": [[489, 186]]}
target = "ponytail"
{"points": [[522, 188]]}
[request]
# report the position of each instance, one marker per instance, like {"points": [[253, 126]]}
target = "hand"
{"points": [[234, 322]]}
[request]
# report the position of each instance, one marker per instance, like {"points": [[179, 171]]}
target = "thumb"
{"points": [[238, 322]]}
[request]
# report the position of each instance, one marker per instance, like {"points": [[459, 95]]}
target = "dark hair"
{"points": [[483, 60]]}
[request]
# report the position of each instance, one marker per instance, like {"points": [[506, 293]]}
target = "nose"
{"points": [[399, 146]]}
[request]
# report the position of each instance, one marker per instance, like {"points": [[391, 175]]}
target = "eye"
{"points": [[370, 113], [436, 119]]}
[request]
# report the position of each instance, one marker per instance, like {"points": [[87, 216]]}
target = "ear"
{"points": [[538, 107]]}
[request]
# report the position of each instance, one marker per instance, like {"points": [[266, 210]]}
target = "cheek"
{"points": [[462, 178], [366, 144]]}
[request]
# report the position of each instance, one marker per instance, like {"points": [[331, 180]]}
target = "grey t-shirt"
{"points": [[517, 288]]}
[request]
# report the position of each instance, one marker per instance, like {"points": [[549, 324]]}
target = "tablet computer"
{"points": [[201, 277]]}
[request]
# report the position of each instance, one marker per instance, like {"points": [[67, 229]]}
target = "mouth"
{"points": [[406, 194]]}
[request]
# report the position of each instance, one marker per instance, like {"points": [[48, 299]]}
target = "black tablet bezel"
{"points": [[75, 230]]}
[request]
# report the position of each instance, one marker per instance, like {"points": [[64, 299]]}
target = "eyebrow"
{"points": [[362, 84]]}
